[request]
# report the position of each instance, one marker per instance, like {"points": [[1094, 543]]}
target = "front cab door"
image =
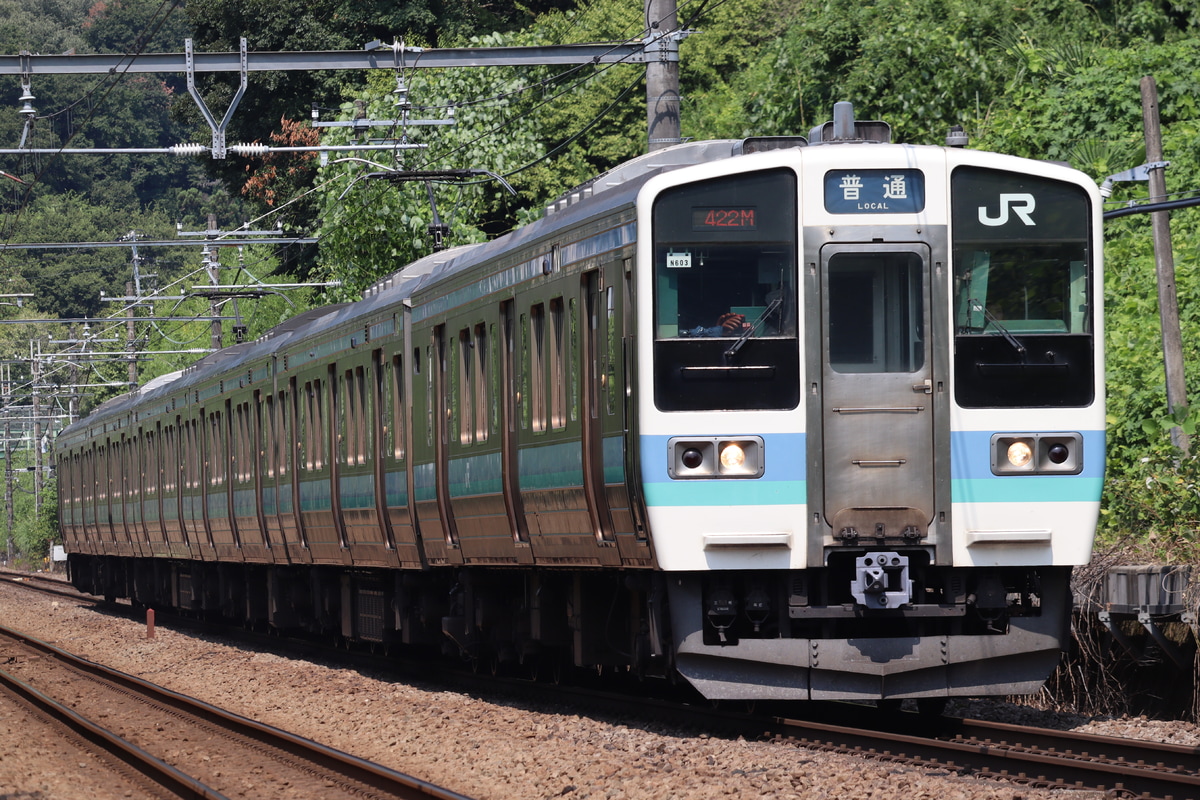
{"points": [[877, 406]]}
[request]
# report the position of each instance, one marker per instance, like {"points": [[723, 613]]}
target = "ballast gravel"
{"points": [[482, 749]]}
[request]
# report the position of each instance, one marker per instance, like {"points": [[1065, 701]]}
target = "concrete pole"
{"points": [[131, 335], [37, 430], [1168, 301], [662, 76]]}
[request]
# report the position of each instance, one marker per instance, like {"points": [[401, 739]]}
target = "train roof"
{"points": [[600, 195]]}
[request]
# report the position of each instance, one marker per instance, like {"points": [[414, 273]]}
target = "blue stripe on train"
{"points": [[784, 481]]}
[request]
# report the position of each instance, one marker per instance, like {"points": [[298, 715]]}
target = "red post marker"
{"points": [[149, 623]]}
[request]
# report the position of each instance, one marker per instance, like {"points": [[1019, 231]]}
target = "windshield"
{"points": [[725, 292], [1022, 291]]}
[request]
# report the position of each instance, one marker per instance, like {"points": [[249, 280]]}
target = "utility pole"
{"points": [[36, 366], [213, 267], [662, 74], [1168, 301], [73, 377], [131, 336], [8, 474]]}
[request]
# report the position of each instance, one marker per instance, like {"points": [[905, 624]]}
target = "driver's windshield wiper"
{"points": [[746, 334], [1008, 337]]}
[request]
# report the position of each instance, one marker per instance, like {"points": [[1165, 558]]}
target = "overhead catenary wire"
{"points": [[107, 83], [497, 129]]}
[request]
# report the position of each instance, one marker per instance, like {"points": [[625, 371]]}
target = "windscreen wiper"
{"points": [[999, 326], [753, 329]]}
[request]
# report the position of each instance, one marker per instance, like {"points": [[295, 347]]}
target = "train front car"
{"points": [[870, 417]]}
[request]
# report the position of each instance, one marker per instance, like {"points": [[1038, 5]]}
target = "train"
{"points": [[782, 418]]}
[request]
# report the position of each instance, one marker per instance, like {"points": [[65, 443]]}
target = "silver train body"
{"points": [[793, 422]]}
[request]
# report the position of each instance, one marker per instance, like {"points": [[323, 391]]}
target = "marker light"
{"points": [[695, 457], [1019, 454], [1050, 453]]}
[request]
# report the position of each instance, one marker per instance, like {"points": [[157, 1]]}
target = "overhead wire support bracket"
{"points": [[218, 131], [1137, 174], [663, 46]]}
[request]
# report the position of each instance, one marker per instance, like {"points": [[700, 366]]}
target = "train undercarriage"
{"points": [[755, 636]]}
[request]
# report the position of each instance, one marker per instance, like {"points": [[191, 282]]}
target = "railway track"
{"points": [[185, 747], [1120, 767], [1040, 757]]}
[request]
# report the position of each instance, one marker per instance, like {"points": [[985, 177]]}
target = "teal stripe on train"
{"points": [[726, 492], [356, 492], [551, 466], [614, 459], [1027, 489], [475, 475]]}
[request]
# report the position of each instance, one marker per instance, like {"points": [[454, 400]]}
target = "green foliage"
{"points": [[922, 65], [371, 227], [68, 282], [1155, 496], [35, 531]]}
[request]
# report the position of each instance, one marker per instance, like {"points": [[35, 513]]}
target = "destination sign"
{"points": [[874, 191]]}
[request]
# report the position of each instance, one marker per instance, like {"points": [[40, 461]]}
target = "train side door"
{"points": [[877, 403]]}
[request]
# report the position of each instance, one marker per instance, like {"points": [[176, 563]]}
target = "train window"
{"points": [[239, 444], [522, 376], [199, 453], [537, 366], [307, 420], [150, 461], [463, 391], [188, 454], [1022, 291], [269, 435], [343, 408], [482, 361], [876, 312], [347, 407], [613, 342], [321, 427], [365, 409], [572, 360], [494, 375], [303, 424], [725, 294], [717, 251], [284, 442], [558, 371], [398, 407], [212, 448], [248, 449], [354, 406], [429, 396]]}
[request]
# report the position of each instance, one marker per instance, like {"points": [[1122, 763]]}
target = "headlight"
{"points": [[1020, 454], [715, 457], [733, 457], [1037, 454]]}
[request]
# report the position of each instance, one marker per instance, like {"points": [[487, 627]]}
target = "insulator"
{"points": [[250, 149], [187, 149]]}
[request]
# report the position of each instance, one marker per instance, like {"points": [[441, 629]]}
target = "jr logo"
{"points": [[1021, 204]]}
